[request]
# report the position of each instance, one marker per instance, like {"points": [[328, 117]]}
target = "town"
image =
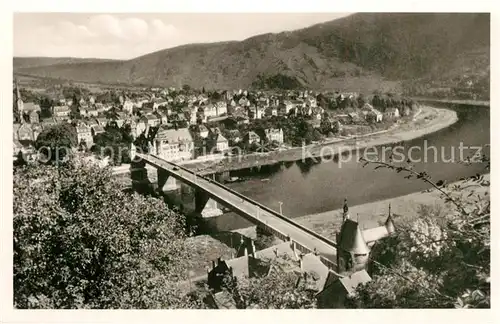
{"points": [[185, 124]]}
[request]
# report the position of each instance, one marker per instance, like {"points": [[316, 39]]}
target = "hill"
{"points": [[29, 62], [363, 51]]}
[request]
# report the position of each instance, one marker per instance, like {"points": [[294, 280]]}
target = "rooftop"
{"points": [[174, 135]]}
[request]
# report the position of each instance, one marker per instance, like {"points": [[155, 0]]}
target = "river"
{"points": [[309, 187]]}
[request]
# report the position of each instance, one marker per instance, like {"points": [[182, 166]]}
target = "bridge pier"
{"points": [[205, 205], [166, 182]]}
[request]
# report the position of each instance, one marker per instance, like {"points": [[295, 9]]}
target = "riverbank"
{"points": [[375, 213], [426, 121], [469, 102]]}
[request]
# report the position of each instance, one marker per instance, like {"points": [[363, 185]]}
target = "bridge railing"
{"points": [[263, 207]]}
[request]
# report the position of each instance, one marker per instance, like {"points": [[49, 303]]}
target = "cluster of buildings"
{"points": [[330, 286], [174, 121]]}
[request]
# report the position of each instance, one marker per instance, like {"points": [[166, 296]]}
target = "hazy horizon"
{"points": [[127, 36]]}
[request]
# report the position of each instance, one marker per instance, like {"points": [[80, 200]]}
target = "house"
{"points": [[30, 106], [37, 130], [25, 133], [128, 106], [173, 145], [221, 107], [163, 117], [271, 111], [209, 111], [141, 126], [406, 111], [97, 129], [255, 112], [373, 115], [91, 122], [48, 122], [221, 143], [335, 292], [151, 120], [33, 117], [60, 111], [159, 103], [17, 148], [203, 131], [285, 107], [317, 112], [354, 117], [103, 121], [84, 135], [311, 102], [274, 135], [181, 117], [251, 137], [193, 118], [392, 113], [120, 119], [60, 120], [99, 107], [62, 100]]}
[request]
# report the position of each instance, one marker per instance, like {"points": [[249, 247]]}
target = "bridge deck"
{"points": [[249, 208]]}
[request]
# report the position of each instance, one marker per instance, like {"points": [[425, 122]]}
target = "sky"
{"points": [[128, 35]]}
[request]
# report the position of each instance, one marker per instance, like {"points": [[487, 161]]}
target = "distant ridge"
{"points": [[360, 51], [38, 61]]}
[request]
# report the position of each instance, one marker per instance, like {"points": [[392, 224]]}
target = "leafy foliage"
{"points": [[114, 143], [60, 139], [278, 81], [80, 242], [439, 260]]}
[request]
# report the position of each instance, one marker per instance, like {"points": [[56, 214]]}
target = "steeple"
{"points": [[389, 223], [345, 214], [351, 238], [19, 103], [18, 95]]}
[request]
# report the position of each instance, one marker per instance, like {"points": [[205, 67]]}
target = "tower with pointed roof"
{"points": [[352, 250], [389, 223], [19, 102], [345, 213]]}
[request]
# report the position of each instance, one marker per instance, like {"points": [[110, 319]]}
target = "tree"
{"points": [[186, 88], [46, 105], [81, 242], [57, 141], [361, 100], [439, 260]]}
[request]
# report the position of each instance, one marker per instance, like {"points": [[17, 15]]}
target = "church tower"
{"points": [[389, 223], [19, 101], [352, 250], [345, 214]]}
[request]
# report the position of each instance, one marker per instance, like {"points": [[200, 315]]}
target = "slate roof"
{"points": [[351, 238], [174, 135], [354, 280]]}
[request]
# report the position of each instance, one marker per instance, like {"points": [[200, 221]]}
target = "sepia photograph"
{"points": [[328, 160]]}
